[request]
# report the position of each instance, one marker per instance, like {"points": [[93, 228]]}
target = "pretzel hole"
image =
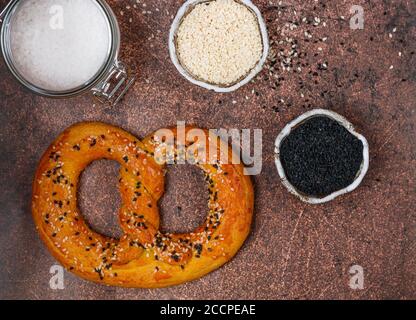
{"points": [[98, 198], [184, 205]]}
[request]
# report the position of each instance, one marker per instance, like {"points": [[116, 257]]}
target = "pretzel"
{"points": [[143, 257]]}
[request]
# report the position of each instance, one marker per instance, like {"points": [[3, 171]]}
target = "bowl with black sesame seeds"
{"points": [[320, 156], [219, 45]]}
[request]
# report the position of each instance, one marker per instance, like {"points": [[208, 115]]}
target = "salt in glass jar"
{"points": [[64, 48]]}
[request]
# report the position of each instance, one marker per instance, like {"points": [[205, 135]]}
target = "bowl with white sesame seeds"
{"points": [[219, 45]]}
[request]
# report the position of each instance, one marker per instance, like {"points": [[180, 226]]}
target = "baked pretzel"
{"points": [[143, 257]]}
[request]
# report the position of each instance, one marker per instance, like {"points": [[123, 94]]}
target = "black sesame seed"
{"points": [[198, 248], [321, 157], [93, 143], [175, 257]]}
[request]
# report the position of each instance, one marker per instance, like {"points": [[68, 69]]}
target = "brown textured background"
{"points": [[295, 250]]}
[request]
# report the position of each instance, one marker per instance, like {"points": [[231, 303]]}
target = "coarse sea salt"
{"points": [[59, 45]]}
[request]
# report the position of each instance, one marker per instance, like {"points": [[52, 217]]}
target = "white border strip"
{"points": [[344, 122], [173, 55]]}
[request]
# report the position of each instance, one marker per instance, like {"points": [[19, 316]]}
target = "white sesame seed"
{"points": [[203, 29]]}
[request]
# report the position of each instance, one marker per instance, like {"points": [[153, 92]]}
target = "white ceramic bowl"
{"points": [[345, 123], [186, 7]]}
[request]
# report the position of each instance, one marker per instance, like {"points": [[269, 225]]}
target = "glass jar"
{"points": [[64, 48]]}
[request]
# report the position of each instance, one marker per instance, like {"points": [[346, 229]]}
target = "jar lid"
{"points": [[57, 46]]}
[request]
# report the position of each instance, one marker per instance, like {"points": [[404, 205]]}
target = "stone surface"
{"points": [[295, 250]]}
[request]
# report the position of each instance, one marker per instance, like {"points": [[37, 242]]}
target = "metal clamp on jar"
{"points": [[62, 48]]}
